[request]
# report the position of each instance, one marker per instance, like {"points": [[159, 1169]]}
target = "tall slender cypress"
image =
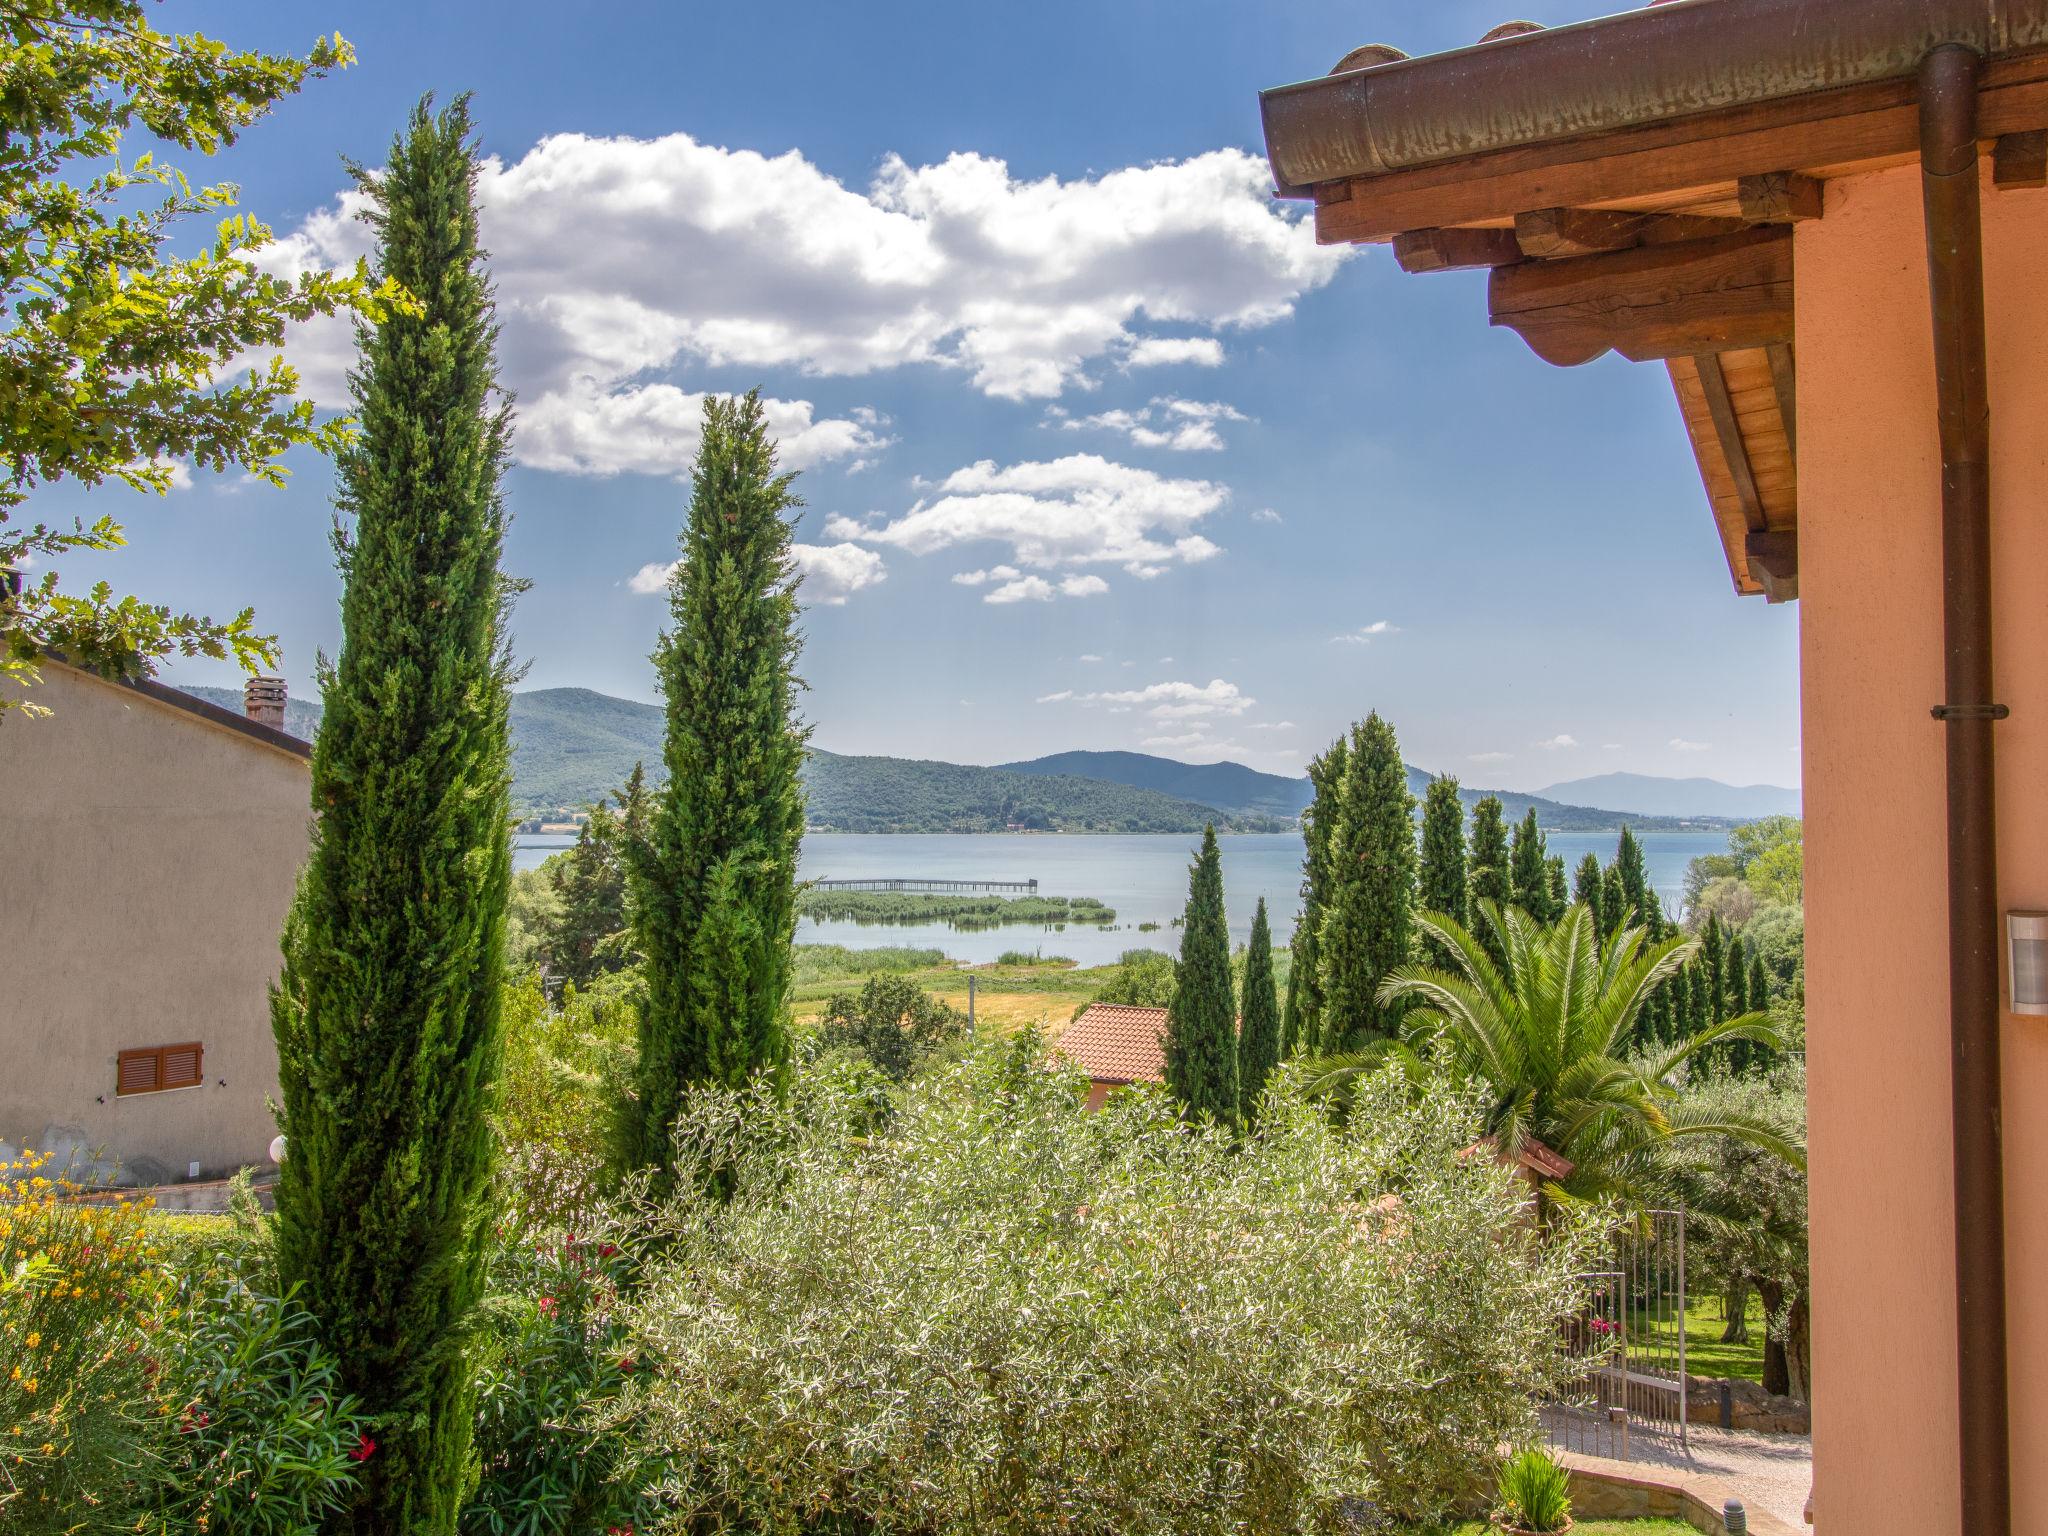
{"points": [[1589, 890], [1560, 887], [1635, 886], [1201, 1024], [1489, 880], [1301, 1025], [1713, 955], [1528, 872], [715, 883], [1258, 1030], [387, 1012], [1368, 924], [1442, 881], [1759, 984], [1614, 895]]}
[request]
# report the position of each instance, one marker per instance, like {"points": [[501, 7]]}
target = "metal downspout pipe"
{"points": [[1955, 267]]}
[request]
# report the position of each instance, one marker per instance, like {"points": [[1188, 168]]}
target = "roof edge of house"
{"points": [[192, 704], [1665, 61]]}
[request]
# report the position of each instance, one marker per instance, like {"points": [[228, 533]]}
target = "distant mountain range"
{"points": [[572, 745], [1642, 795]]}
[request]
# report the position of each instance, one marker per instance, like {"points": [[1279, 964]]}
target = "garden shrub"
{"points": [[557, 1355], [81, 1287], [255, 1436], [1003, 1314], [566, 1072]]}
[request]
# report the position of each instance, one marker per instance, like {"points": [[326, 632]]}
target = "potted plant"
{"points": [[1533, 1495]]}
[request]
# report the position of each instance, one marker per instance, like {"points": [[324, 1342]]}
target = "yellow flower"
{"points": [[29, 1386], [34, 1339]]}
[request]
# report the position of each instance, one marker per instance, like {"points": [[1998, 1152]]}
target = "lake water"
{"points": [[1144, 878]]}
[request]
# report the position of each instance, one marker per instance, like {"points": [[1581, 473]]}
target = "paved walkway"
{"points": [[1773, 1472]]}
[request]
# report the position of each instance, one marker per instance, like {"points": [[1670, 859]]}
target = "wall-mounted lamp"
{"points": [[2026, 965]]}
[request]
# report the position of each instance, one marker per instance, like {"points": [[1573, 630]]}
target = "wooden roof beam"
{"points": [[1728, 432], [1553, 232], [1773, 557], [1455, 250], [1651, 303], [1781, 197], [2020, 159]]}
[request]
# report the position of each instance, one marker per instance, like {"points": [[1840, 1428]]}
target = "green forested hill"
{"points": [[892, 794], [571, 745]]}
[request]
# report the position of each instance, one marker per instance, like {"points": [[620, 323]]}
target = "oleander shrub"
{"points": [[252, 1433], [556, 1358], [1002, 1314]]}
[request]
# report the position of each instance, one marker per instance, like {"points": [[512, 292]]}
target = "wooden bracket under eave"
{"points": [[1773, 556], [1651, 303], [2020, 160]]}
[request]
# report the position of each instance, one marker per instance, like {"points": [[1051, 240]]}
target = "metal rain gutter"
{"points": [[1666, 61], [1955, 269]]}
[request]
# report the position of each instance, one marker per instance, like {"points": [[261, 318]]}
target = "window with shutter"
{"points": [[157, 1067]]}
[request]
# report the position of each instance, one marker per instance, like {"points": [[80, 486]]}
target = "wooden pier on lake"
{"points": [[930, 887]]}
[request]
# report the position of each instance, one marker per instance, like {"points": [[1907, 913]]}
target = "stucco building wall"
{"points": [[1876, 872], [147, 858]]}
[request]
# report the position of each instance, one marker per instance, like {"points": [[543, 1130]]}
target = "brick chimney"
{"points": [[263, 701]]}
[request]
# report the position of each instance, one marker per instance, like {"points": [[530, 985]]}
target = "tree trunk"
{"points": [[1735, 1305], [1777, 1367], [1799, 1348]]}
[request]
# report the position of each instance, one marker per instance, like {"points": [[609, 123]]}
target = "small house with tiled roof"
{"points": [[150, 843], [1116, 1045]]}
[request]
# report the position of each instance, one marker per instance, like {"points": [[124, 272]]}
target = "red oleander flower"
{"points": [[365, 1449], [547, 1306]]}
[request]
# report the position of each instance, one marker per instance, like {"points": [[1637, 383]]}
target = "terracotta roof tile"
{"points": [[1114, 1043]]}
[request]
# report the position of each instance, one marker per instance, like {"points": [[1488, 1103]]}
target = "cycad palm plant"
{"points": [[1543, 1039]]}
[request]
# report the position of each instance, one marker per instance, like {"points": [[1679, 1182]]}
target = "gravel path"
{"points": [[1774, 1472]]}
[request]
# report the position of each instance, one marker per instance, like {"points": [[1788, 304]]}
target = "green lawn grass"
{"points": [[1706, 1355]]}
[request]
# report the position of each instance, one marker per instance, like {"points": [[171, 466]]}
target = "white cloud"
{"points": [[831, 573], [1190, 739], [1365, 634], [1274, 725], [1033, 589], [1610, 746], [1083, 586], [974, 578], [1079, 510], [1680, 744], [1490, 757], [1186, 426], [1056, 698], [654, 429], [1266, 515], [834, 572], [1165, 351], [1179, 701], [618, 259], [1557, 743], [1089, 658]]}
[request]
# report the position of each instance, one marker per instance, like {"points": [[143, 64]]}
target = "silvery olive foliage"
{"points": [[1000, 1313]]}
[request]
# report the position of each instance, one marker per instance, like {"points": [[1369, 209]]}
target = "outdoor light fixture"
{"points": [[2026, 966]]}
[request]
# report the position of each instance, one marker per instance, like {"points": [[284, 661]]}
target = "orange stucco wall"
{"points": [[1870, 658]]}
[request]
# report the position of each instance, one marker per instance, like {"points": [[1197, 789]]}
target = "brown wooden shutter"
{"points": [[139, 1072], [157, 1067], [181, 1066]]}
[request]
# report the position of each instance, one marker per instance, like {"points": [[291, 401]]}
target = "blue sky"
{"points": [[1098, 449]]}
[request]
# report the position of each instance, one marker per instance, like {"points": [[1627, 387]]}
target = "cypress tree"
{"points": [[1528, 869], [1702, 1013], [1614, 897], [1589, 890], [1681, 999], [1488, 880], [588, 940], [1560, 886], [1368, 925], [1759, 985], [1201, 1027], [1443, 850], [1713, 957], [387, 1013], [715, 883], [1635, 886], [1301, 1026], [1258, 1034]]}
